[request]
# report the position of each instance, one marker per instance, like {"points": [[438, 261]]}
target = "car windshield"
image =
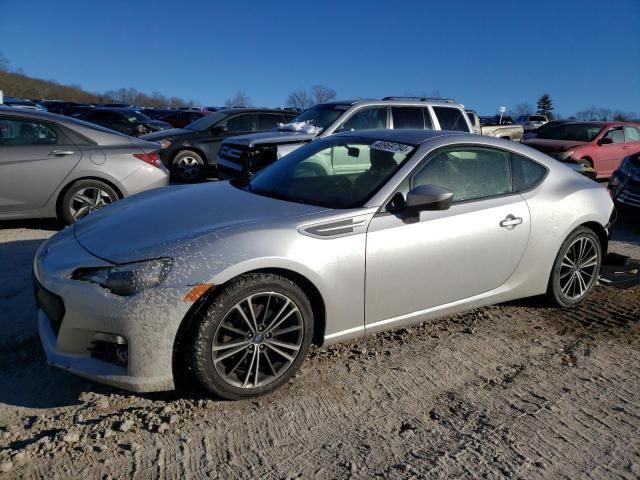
{"points": [[579, 132], [321, 116], [335, 172], [207, 121], [133, 116]]}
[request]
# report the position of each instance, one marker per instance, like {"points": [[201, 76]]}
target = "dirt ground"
{"points": [[518, 390]]}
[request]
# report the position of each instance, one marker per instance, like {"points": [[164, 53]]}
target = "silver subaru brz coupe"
{"points": [[232, 282]]}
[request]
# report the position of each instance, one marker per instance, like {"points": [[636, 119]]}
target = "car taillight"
{"points": [[151, 158]]}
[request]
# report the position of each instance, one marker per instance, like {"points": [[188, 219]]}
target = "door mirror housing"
{"points": [[428, 197], [219, 130], [605, 141]]}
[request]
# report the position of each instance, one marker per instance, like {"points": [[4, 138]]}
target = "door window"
{"points": [[407, 117], [269, 121], [242, 123], [471, 173], [367, 118], [632, 134], [616, 135], [451, 119], [24, 132]]}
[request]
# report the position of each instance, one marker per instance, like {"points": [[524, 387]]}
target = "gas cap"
{"points": [[98, 157]]}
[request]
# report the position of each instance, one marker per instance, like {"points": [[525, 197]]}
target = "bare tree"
{"points": [[4, 63], [522, 109], [322, 94], [240, 99], [299, 99], [620, 116]]}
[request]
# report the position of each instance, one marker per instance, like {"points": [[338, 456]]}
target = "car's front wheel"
{"points": [[253, 338], [576, 268], [84, 197]]}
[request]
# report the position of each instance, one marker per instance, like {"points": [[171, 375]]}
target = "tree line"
{"points": [[544, 106]]}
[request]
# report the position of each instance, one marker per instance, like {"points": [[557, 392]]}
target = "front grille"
{"points": [[51, 304], [232, 152]]}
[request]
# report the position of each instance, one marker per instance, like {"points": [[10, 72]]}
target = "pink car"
{"points": [[599, 145]]}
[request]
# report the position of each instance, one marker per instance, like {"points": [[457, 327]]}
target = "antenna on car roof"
{"points": [[422, 99]]}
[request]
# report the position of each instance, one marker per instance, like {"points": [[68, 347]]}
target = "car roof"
{"points": [[255, 110], [407, 136]]}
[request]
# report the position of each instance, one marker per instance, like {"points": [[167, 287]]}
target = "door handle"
{"points": [[510, 221], [61, 153]]}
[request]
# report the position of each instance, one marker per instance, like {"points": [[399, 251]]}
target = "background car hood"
{"points": [[551, 146], [172, 132], [273, 137], [153, 223]]}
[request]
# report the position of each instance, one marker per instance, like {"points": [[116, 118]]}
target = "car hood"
{"points": [[159, 124], [272, 137], [551, 146], [171, 132], [155, 223]]}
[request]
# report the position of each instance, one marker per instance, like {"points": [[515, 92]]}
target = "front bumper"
{"points": [[148, 321]]}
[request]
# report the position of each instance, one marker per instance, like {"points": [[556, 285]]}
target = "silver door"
{"points": [[34, 160]]}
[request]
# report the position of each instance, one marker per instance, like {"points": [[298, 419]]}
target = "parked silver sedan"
{"points": [[346, 236], [55, 166]]}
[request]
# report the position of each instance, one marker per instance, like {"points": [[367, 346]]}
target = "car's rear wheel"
{"points": [[187, 166], [576, 268], [84, 197], [253, 338]]}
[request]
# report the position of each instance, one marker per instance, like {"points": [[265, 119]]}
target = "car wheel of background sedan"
{"points": [[187, 166], [576, 268], [84, 197], [253, 338]]}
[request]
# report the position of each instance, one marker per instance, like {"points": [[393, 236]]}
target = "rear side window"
{"points": [[23, 133], [407, 117], [537, 118], [632, 134], [526, 173], [451, 119]]}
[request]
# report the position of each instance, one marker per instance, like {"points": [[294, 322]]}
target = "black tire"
{"points": [[561, 292], [232, 375], [187, 166], [75, 199]]}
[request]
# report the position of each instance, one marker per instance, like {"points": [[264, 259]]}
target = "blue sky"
{"points": [[482, 53]]}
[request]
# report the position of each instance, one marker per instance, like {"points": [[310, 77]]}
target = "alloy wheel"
{"points": [[87, 200], [578, 269], [188, 168], [258, 340]]}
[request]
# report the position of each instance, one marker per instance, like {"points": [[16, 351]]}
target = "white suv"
{"points": [[246, 154], [531, 122]]}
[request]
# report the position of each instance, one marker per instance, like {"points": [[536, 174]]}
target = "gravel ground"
{"points": [[516, 390]]}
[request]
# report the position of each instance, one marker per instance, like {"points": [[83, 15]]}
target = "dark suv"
{"points": [[123, 120], [189, 152]]}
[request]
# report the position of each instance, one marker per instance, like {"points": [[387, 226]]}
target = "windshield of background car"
{"points": [[583, 132], [207, 121], [134, 116], [321, 116], [336, 172]]}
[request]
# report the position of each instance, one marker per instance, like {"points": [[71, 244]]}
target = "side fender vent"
{"points": [[336, 228]]}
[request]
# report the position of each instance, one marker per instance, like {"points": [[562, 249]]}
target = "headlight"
{"points": [[164, 144], [630, 167], [127, 279]]}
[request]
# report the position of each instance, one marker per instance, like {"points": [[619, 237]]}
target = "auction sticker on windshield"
{"points": [[392, 147]]}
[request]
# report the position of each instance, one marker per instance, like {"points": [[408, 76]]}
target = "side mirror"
{"points": [[605, 141], [421, 198], [428, 197], [218, 130]]}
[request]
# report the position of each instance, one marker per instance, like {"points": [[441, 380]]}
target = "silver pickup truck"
{"points": [[511, 132]]}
